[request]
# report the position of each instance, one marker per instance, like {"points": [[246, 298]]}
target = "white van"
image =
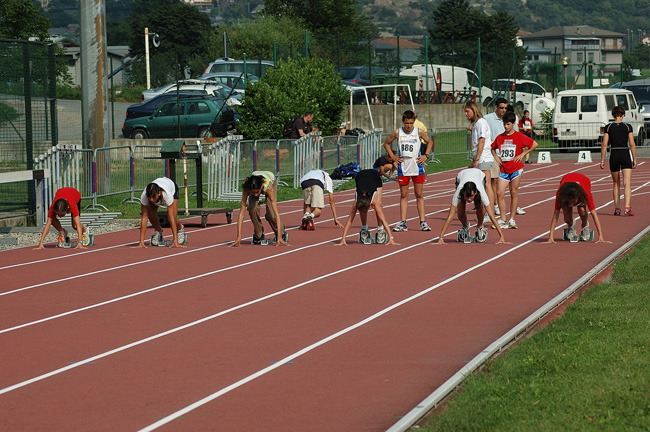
{"points": [[450, 78], [580, 116]]}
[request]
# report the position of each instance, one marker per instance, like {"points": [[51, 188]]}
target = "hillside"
{"points": [[411, 17]]}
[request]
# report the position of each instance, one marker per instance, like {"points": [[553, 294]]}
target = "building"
{"points": [[588, 50], [409, 52]]}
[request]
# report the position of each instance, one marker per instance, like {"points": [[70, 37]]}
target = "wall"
{"points": [[386, 117]]}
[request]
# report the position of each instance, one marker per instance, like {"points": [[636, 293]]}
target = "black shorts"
{"points": [[620, 159], [175, 191]]}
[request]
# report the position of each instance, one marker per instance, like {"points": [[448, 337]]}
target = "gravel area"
{"points": [[31, 239]]}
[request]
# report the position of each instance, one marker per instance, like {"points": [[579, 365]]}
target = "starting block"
{"points": [[544, 157], [67, 243], [578, 237], [584, 156]]}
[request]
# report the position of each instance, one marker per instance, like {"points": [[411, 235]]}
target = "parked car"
{"points": [[198, 87], [521, 93], [252, 66], [580, 116], [360, 74], [641, 90], [198, 117], [152, 105], [231, 79]]}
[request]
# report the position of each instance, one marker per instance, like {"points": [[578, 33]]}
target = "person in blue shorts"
{"points": [[369, 188]]}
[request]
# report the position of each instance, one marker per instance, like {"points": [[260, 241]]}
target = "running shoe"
{"points": [[424, 226], [310, 225], [496, 210], [628, 212], [182, 237], [381, 237], [503, 224], [571, 234], [364, 237], [585, 234], [157, 239], [486, 219], [512, 224], [401, 226], [463, 235], [481, 235], [259, 241], [85, 237], [304, 224], [617, 212], [520, 211]]}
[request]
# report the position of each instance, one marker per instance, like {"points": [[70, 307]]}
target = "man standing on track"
{"points": [[410, 166]]}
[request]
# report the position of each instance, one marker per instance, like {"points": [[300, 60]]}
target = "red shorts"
{"points": [[404, 180]]}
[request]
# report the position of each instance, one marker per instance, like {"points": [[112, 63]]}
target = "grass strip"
{"points": [[587, 370]]}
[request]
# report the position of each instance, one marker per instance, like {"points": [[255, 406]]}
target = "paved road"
{"points": [[69, 112]]}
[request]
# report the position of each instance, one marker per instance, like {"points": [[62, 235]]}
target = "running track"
{"points": [[307, 337]]}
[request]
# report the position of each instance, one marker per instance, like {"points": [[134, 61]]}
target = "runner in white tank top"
{"points": [[410, 166]]}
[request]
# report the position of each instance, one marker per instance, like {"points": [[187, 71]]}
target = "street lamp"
{"points": [[565, 63]]}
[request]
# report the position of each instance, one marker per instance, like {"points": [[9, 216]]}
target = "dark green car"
{"points": [[199, 118]]}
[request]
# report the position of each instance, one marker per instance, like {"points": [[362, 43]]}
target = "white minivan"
{"points": [[452, 79], [580, 116], [520, 92]]}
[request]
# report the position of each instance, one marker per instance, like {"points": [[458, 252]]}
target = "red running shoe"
{"points": [[628, 212]]}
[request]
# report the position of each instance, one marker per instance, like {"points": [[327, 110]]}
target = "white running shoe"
{"points": [[401, 226], [424, 226], [520, 211], [496, 210], [512, 224], [503, 224]]}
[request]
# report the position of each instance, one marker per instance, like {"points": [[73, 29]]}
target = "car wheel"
{"points": [[206, 132], [487, 102], [139, 134], [520, 107]]}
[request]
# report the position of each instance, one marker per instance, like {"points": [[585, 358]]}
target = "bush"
{"points": [[288, 90]]}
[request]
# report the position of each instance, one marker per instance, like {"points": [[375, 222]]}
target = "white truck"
{"points": [[452, 80]]}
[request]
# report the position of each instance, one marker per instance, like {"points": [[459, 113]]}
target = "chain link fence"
{"points": [[28, 123]]}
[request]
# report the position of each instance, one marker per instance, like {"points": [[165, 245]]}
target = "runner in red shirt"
{"points": [[508, 149], [575, 191], [67, 200]]}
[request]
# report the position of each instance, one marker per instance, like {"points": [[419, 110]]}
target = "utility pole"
{"points": [[94, 74]]}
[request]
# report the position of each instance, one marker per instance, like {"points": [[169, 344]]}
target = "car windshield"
{"points": [[347, 74], [641, 93]]}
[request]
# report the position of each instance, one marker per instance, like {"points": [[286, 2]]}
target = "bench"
{"points": [[91, 220], [203, 212]]}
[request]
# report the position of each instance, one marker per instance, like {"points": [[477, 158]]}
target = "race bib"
{"points": [[508, 152]]}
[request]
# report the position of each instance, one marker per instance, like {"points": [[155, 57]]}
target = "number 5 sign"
{"points": [[544, 157]]}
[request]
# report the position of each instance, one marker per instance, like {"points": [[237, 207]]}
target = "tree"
{"points": [[185, 35], [20, 19], [289, 90], [456, 30], [322, 16]]}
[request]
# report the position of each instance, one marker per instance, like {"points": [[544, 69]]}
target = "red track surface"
{"points": [[307, 337]]}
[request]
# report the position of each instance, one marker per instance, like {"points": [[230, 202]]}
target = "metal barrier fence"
{"points": [[223, 159], [70, 166]]}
